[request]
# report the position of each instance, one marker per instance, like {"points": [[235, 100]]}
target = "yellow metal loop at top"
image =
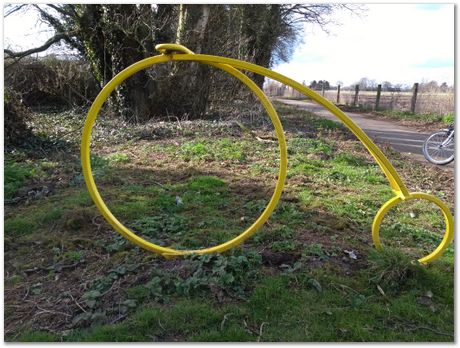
{"points": [[174, 52], [172, 48]]}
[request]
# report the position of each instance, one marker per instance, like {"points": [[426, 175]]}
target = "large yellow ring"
{"points": [[86, 163], [449, 222]]}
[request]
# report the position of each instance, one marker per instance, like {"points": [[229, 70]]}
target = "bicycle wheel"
{"points": [[437, 150]]}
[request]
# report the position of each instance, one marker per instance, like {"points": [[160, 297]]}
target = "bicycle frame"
{"points": [[449, 138]]}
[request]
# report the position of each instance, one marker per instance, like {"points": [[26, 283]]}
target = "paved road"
{"points": [[403, 139]]}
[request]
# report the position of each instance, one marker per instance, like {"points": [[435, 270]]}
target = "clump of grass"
{"points": [[220, 150], [206, 184], [449, 118], [16, 174], [426, 117], [116, 158], [307, 146], [37, 336], [19, 226], [50, 215], [80, 198], [132, 210], [392, 269]]}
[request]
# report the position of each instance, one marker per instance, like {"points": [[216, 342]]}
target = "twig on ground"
{"points": [[27, 294], [260, 331], [224, 320], [117, 319], [249, 329], [111, 288], [43, 310], [161, 325], [413, 328], [76, 302]]}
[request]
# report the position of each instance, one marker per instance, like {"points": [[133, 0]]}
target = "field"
{"points": [[438, 103], [310, 274]]}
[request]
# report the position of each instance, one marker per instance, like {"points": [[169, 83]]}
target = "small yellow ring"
{"points": [[116, 224], [449, 222]]}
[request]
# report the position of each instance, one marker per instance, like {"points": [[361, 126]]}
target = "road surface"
{"points": [[403, 139]]}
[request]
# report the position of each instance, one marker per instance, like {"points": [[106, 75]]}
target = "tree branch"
{"points": [[10, 9], [56, 38]]}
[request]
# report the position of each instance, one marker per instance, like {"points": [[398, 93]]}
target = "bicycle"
{"points": [[439, 147]]}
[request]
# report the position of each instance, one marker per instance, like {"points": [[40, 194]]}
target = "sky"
{"points": [[399, 43]]}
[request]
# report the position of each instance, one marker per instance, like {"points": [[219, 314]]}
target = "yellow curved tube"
{"points": [[174, 52], [448, 219], [116, 224]]}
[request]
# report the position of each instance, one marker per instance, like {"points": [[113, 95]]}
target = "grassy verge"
{"points": [[415, 119], [310, 274], [419, 118]]}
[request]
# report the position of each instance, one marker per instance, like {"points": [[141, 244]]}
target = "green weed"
{"points": [[284, 246], [48, 216], [117, 158], [18, 226], [16, 175], [37, 336], [161, 229], [424, 117], [220, 150]]}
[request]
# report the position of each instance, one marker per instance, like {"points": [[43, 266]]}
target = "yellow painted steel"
{"points": [[86, 163], [174, 52], [448, 219]]}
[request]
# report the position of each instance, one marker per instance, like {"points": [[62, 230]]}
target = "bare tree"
{"points": [[111, 37]]}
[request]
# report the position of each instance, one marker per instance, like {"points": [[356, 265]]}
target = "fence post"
{"points": [[414, 97], [322, 90], [338, 94], [355, 101], [377, 99]]}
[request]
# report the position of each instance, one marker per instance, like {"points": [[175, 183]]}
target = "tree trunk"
{"points": [[259, 32], [193, 78]]}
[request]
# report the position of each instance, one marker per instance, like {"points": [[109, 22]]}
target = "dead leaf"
{"points": [[351, 254], [424, 301]]}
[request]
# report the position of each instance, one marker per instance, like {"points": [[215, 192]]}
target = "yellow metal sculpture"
{"points": [[174, 52]]}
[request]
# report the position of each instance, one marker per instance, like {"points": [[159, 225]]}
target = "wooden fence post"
{"points": [[355, 101], [414, 97], [377, 99], [322, 90], [338, 94]]}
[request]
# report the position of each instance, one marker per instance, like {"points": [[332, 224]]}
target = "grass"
{"points": [[419, 117], [220, 150], [310, 274], [342, 310], [19, 226], [16, 174]]}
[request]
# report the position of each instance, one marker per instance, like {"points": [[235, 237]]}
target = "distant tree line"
{"points": [[366, 84], [320, 85]]}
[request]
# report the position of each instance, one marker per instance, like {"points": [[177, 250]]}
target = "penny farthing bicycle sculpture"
{"points": [[174, 52]]}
